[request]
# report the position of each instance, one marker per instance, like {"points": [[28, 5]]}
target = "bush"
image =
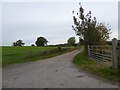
{"points": [[59, 48]]}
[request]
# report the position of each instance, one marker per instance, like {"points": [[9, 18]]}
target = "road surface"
{"points": [[56, 72]]}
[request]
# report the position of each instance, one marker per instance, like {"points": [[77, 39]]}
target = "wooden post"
{"points": [[114, 53], [89, 51], [118, 51]]}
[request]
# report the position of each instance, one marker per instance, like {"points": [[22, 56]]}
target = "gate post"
{"points": [[118, 51], [89, 51], [114, 53]]}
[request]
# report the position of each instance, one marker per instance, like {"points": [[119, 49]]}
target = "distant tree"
{"points": [[14, 44], [71, 41], [32, 45], [87, 27], [18, 43], [41, 41]]}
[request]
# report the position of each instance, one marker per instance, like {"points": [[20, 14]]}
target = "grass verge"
{"points": [[82, 61]]}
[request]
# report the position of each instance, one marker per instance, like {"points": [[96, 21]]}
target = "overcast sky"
{"points": [[52, 20]]}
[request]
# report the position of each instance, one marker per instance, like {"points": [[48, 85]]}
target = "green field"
{"points": [[12, 55]]}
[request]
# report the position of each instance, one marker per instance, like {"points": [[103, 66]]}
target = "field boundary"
{"points": [[30, 55]]}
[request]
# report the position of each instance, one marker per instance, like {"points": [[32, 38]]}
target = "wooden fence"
{"points": [[107, 55]]}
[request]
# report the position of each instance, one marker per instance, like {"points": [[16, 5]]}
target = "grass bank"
{"points": [[82, 61], [13, 55]]}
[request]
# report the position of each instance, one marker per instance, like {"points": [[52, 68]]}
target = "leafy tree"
{"points": [[91, 31], [81, 41], [32, 45], [41, 41], [71, 41], [18, 43], [109, 42]]}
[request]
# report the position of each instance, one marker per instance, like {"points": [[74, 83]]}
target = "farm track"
{"points": [[56, 72]]}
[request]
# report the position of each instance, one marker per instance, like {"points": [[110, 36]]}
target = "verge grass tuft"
{"points": [[83, 62]]}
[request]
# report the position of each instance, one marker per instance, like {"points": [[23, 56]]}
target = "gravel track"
{"points": [[56, 72]]}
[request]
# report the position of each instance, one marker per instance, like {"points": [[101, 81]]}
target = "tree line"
{"points": [[42, 41]]}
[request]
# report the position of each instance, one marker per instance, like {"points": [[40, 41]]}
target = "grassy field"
{"points": [[12, 55], [84, 63]]}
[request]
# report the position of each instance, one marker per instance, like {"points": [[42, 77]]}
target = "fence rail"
{"points": [[102, 54], [108, 55]]}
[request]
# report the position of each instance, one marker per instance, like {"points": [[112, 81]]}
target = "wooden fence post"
{"points": [[114, 53], [118, 51], [89, 51]]}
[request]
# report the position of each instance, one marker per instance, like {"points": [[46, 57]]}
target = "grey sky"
{"points": [[119, 20], [53, 20]]}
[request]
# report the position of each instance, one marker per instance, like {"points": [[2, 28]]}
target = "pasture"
{"points": [[12, 55]]}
